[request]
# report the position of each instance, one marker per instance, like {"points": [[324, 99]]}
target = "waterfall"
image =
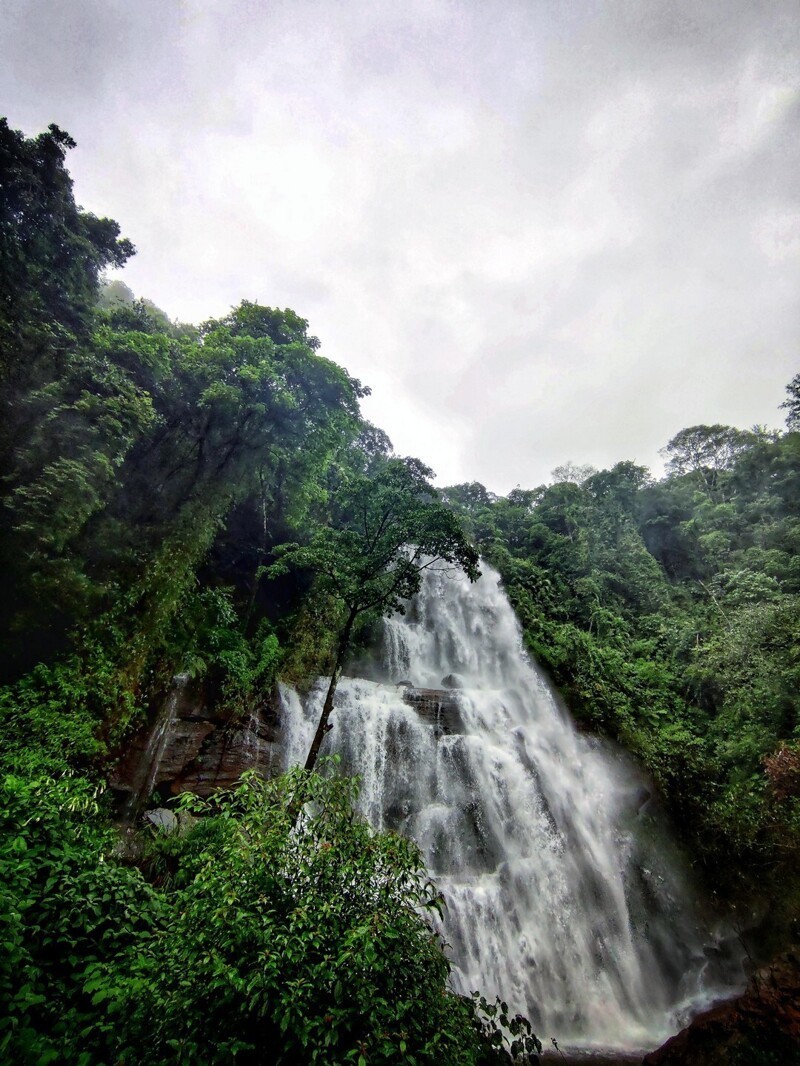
{"points": [[563, 892]]}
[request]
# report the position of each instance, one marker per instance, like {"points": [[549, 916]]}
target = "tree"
{"points": [[244, 937], [470, 497], [619, 485], [300, 941], [51, 257], [573, 472], [792, 403], [387, 528], [706, 451]]}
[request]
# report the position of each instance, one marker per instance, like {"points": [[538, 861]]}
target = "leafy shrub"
{"points": [[299, 936], [277, 929], [64, 910]]}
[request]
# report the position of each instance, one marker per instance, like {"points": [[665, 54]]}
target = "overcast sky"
{"points": [[539, 230]]}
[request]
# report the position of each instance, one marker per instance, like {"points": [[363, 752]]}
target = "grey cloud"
{"points": [[540, 231]]}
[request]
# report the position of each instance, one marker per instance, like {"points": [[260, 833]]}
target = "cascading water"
{"points": [[561, 894]]}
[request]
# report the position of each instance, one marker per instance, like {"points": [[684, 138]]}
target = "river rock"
{"points": [[163, 818], [765, 1018]]}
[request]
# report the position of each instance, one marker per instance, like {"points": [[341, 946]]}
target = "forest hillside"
{"points": [[209, 501]]}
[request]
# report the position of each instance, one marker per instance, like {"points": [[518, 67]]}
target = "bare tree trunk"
{"points": [[327, 707]]}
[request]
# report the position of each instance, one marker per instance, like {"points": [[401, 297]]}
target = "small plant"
{"points": [[505, 1038]]}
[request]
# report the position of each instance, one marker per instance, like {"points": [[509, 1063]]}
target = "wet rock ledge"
{"points": [[436, 706], [760, 1025], [191, 746]]}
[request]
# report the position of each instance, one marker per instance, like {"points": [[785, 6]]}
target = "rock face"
{"points": [[764, 1019], [231, 748], [438, 707], [193, 746]]}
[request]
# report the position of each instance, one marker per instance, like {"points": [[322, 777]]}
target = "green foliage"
{"points": [[502, 1035], [305, 943], [83, 425], [61, 716], [384, 529], [311, 643], [237, 668], [51, 255], [263, 938], [792, 403], [65, 910], [704, 453]]}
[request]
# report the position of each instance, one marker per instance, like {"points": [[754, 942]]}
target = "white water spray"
{"points": [[561, 895]]}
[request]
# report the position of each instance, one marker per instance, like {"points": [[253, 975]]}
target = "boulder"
{"points": [[163, 818], [765, 1018], [453, 681]]}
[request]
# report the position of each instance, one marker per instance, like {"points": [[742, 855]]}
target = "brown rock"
{"points": [[241, 744], [189, 745], [782, 768], [765, 1018], [160, 749], [438, 707]]}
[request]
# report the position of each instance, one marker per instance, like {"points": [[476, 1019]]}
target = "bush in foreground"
{"points": [[258, 936]]}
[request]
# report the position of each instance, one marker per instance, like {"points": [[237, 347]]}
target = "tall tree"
{"points": [[574, 472], [387, 528], [51, 257], [705, 452], [792, 403]]}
